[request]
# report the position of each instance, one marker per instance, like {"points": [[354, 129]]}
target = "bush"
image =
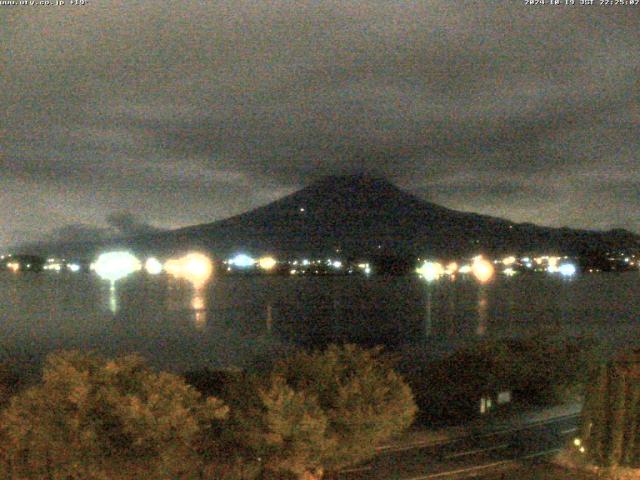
{"points": [[9, 383], [322, 411], [91, 418], [537, 370]]}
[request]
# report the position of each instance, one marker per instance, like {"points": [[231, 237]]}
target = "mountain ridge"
{"points": [[361, 215]]}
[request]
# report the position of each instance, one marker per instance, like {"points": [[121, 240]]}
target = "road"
{"points": [[470, 455]]}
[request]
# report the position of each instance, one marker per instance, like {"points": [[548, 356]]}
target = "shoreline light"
{"points": [[567, 269], [482, 269], [153, 266], [452, 268], [193, 267], [113, 266], [267, 263], [430, 271], [509, 260], [242, 260]]}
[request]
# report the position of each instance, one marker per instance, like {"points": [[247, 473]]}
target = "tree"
{"points": [[92, 418], [325, 410], [610, 417]]}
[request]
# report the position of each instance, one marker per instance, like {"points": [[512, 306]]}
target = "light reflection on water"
{"points": [[232, 320]]}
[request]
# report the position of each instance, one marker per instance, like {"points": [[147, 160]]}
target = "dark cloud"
{"points": [[202, 110], [120, 224], [127, 224]]}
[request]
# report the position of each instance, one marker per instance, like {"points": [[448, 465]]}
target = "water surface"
{"points": [[236, 319]]}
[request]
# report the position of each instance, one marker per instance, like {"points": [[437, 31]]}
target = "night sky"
{"points": [[121, 115]]}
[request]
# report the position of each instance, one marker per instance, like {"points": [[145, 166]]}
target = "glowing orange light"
{"points": [[199, 309], [482, 270], [509, 260], [451, 268], [267, 263], [13, 266], [193, 267]]}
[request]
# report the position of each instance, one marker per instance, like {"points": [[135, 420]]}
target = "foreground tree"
{"points": [[611, 414], [96, 419], [323, 411]]}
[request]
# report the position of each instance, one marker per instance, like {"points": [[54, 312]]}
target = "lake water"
{"points": [[237, 320]]}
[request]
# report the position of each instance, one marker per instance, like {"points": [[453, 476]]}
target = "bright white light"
{"points": [[73, 267], [193, 267], [567, 269], [465, 269], [113, 266], [267, 263], [153, 266], [337, 264], [482, 269], [243, 261], [305, 262], [430, 271], [577, 442], [509, 272]]}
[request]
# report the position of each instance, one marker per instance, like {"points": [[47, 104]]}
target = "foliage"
{"points": [[539, 370], [324, 410], [218, 383], [611, 414], [91, 418], [8, 382]]}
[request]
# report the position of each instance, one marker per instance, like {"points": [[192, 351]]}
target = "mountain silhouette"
{"points": [[361, 216]]}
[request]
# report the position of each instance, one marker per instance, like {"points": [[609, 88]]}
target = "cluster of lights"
{"points": [[196, 268], [481, 269], [56, 265], [511, 265], [365, 268], [113, 266], [577, 442], [13, 266], [245, 262]]}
